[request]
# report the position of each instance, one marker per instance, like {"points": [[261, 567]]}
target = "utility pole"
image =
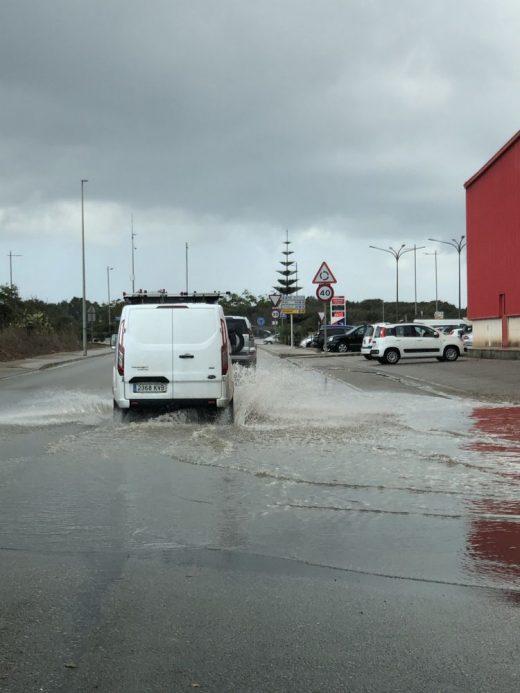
{"points": [[84, 305], [11, 255], [133, 235], [436, 292], [415, 249], [186, 268], [108, 289]]}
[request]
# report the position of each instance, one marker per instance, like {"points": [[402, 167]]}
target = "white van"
{"points": [[173, 356]]}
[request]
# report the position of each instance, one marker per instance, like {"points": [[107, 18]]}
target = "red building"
{"points": [[493, 250]]}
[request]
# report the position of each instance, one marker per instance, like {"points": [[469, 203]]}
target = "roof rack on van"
{"points": [[162, 296]]}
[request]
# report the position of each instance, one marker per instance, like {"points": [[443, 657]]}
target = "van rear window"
{"points": [[150, 326], [172, 326], [194, 326]]}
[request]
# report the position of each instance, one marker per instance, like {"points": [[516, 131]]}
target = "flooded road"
{"points": [[413, 491]]}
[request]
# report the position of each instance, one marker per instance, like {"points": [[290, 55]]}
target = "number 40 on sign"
{"points": [[324, 292]]}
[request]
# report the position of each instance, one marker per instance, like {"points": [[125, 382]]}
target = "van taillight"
{"points": [[224, 350], [121, 349], [121, 360]]}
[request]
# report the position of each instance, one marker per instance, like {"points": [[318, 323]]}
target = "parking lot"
{"points": [[493, 380]]}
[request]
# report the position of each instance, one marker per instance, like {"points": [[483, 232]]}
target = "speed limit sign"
{"points": [[324, 292]]}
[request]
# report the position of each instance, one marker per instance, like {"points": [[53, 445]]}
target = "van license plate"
{"points": [[149, 387]]}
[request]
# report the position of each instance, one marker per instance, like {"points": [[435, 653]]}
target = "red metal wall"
{"points": [[493, 235]]}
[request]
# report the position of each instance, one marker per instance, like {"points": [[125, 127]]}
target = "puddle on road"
{"points": [[374, 465]]}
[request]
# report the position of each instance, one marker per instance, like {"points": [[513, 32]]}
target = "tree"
{"points": [[287, 283], [10, 305]]}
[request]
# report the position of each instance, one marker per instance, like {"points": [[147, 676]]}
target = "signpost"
{"points": [[91, 318], [292, 305], [324, 278]]}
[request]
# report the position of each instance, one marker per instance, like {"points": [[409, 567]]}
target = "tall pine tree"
{"points": [[287, 282]]}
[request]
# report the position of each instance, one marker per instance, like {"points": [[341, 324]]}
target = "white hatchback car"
{"points": [[392, 342]]}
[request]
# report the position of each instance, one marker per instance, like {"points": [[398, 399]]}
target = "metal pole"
{"points": [[84, 304], [397, 288], [459, 246], [415, 275], [383, 302], [186, 268], [11, 255], [133, 248], [459, 251], [292, 333], [397, 255], [436, 292], [108, 289]]}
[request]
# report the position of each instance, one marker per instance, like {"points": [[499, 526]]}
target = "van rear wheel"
{"points": [[226, 415], [119, 415]]}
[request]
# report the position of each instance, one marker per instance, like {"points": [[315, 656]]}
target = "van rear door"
{"points": [[197, 352], [148, 372]]}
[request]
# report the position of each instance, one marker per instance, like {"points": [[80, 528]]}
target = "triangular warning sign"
{"points": [[275, 299], [324, 275]]}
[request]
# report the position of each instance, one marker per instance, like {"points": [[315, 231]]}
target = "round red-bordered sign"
{"points": [[324, 293]]}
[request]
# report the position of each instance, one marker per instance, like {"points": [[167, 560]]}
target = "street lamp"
{"points": [[436, 293], [109, 269], [397, 254], [459, 246], [84, 306]]}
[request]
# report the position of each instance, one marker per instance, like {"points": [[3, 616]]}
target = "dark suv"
{"points": [[331, 331], [241, 338], [351, 341]]}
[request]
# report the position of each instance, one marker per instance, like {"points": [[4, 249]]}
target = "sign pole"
{"points": [[325, 328], [292, 334]]}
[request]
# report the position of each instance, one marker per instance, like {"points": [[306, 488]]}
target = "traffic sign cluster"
{"points": [[324, 278]]}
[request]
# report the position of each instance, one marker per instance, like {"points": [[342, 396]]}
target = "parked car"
{"points": [[368, 338], [392, 342], [467, 340], [331, 331], [307, 341], [173, 356], [350, 341], [272, 339], [243, 348]]}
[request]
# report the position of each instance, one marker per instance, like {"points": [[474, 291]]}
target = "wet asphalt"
{"points": [[350, 532]]}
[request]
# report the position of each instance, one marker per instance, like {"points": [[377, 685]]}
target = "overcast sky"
{"points": [[224, 123]]}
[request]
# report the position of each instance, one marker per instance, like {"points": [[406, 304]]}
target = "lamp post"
{"points": [[436, 293], [459, 246], [397, 254], [109, 269], [11, 255], [84, 305]]}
